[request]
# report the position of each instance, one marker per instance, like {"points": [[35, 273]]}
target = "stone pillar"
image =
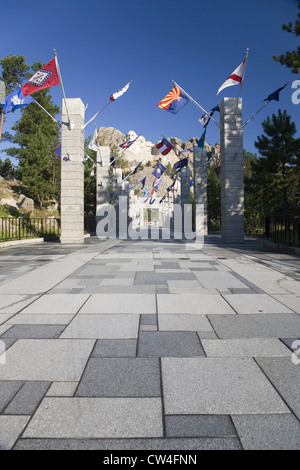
{"points": [[200, 191], [185, 200], [72, 173], [232, 171], [103, 180]]}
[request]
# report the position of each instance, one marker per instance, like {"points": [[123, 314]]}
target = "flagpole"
{"points": [[83, 127], [243, 75], [71, 124], [197, 104], [53, 119], [124, 150], [256, 113]]}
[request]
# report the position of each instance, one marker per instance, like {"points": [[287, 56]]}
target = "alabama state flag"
{"points": [[46, 77]]}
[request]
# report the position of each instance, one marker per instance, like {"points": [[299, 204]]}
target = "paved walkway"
{"points": [[149, 345]]}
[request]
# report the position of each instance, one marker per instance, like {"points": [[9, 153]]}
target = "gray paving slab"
{"points": [[256, 325], [8, 389], [13, 303], [291, 301], [285, 376], [199, 426], [148, 319], [62, 389], [246, 347], [10, 429], [57, 303], [169, 343], [34, 331], [120, 303], [217, 386], [268, 432], [180, 444], [184, 322], [27, 398], [120, 377], [35, 319], [115, 348], [193, 303], [256, 303], [96, 418], [46, 359], [103, 326], [291, 343]]}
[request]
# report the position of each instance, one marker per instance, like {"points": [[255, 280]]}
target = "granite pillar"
{"points": [[200, 191]]}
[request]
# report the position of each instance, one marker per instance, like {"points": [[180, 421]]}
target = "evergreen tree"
{"points": [[253, 209], [90, 180], [39, 169], [276, 171], [7, 169], [291, 59], [213, 196]]}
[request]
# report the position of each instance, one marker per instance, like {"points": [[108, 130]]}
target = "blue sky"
{"points": [[102, 45]]}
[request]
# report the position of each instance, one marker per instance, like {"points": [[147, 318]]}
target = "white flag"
{"points": [[235, 78], [119, 93], [94, 143]]}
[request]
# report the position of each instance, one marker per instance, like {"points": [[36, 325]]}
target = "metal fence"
{"points": [[28, 227], [283, 229]]}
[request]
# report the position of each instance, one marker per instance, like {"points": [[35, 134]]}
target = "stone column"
{"points": [[200, 191], [185, 200], [103, 180], [232, 172], [72, 173]]}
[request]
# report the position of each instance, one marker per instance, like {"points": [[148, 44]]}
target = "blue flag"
{"points": [[275, 94], [16, 100], [158, 170], [181, 163], [143, 181], [136, 168], [201, 140]]}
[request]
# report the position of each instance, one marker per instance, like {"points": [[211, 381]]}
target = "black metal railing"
{"points": [[283, 229], [28, 227]]}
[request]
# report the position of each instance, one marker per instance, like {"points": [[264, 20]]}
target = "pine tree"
{"points": [[291, 59], [275, 172]]}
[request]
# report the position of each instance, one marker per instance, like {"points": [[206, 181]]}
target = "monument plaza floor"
{"points": [[149, 344]]}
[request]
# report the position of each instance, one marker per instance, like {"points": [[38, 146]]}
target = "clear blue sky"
{"points": [[102, 45]]}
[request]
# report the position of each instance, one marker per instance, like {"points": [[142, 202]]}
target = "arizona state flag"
{"points": [[174, 101], [46, 77]]}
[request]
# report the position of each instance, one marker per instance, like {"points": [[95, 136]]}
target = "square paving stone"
{"points": [[268, 432], [120, 377], [217, 386], [103, 327], [115, 348], [285, 376], [46, 359], [256, 303], [8, 388], [88, 418], [27, 399], [120, 303], [169, 343], [255, 325], [199, 426], [244, 347], [34, 331], [149, 319]]}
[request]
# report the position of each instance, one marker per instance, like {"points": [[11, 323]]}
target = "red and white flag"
{"points": [[119, 93], [235, 78], [46, 77], [164, 146]]}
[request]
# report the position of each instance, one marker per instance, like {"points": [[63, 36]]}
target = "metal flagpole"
{"points": [[197, 104], [83, 127], [256, 113], [246, 58], [71, 124], [47, 112]]}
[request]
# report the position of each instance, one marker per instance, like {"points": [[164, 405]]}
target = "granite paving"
{"points": [[149, 345]]}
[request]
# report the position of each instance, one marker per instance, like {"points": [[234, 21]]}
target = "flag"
{"points": [[156, 184], [46, 77], [119, 93], [94, 143], [136, 168], [181, 163], [16, 100], [158, 170], [191, 182], [275, 94], [112, 161], [143, 181], [204, 120], [174, 101], [57, 151], [151, 201], [164, 146], [202, 140], [126, 145], [190, 149], [235, 78]]}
